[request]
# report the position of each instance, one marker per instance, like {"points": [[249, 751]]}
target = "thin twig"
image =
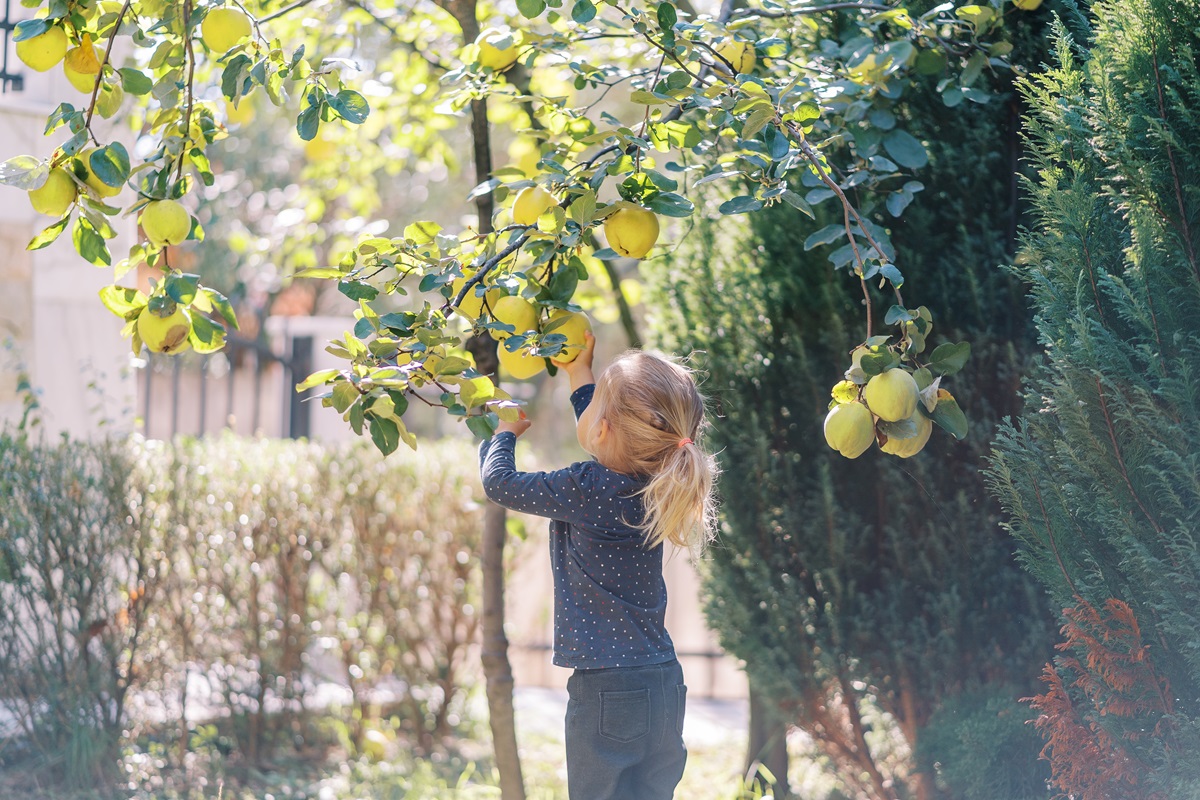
{"points": [[87, 122], [285, 10], [187, 111], [400, 39], [797, 12]]}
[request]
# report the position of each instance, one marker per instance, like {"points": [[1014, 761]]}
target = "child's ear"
{"points": [[601, 430]]}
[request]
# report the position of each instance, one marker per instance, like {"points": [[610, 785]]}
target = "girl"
{"points": [[650, 483]]}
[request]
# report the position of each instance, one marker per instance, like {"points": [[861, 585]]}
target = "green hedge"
{"points": [[265, 566]]}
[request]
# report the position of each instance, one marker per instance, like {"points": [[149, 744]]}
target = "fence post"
{"points": [[297, 369]]}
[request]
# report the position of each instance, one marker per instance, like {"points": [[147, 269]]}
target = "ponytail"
{"points": [[679, 500], [657, 415]]}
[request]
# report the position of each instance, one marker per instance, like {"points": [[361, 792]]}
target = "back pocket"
{"points": [[625, 716], [680, 707]]}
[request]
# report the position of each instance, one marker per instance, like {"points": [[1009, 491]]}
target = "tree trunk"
{"points": [[768, 744], [497, 670]]}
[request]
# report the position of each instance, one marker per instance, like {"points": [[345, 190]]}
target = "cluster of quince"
{"points": [[889, 398], [525, 320]]}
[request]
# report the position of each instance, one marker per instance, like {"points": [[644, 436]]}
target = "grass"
{"points": [[321, 768]]}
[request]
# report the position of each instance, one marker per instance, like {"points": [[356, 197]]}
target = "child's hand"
{"points": [[518, 427], [581, 362]]}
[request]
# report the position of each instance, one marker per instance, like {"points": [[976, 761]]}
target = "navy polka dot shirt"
{"points": [[610, 599]]}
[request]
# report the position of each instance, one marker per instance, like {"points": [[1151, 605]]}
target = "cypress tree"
{"points": [[876, 586], [1100, 476]]}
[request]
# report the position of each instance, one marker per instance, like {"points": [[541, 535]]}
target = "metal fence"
{"points": [[248, 387]]}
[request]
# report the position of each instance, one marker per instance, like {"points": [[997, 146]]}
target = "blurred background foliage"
{"points": [[155, 589]]}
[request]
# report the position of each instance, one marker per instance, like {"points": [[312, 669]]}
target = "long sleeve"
{"points": [[581, 398], [561, 494]]}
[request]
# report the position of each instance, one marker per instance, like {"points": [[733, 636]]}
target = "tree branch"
{"points": [[401, 40], [798, 12], [285, 10]]}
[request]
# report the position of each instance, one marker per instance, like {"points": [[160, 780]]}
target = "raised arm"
{"points": [[558, 495]]}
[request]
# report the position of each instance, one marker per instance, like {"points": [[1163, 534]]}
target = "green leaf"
{"points": [[563, 284], [222, 305], [350, 106], [877, 363], [583, 208], [669, 204], [231, 77], [206, 336], [740, 205], [48, 234], [122, 300], [667, 16], [896, 314], [583, 12], [799, 203], [24, 172], [135, 81], [894, 276], [316, 379], [308, 123], [90, 244], [947, 359], [320, 272], [27, 29], [385, 434], [422, 232], [531, 8], [182, 287], [111, 164], [905, 149], [950, 417], [344, 395], [827, 235], [358, 290], [483, 426]]}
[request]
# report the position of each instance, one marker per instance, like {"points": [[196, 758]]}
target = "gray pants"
{"points": [[624, 732]]}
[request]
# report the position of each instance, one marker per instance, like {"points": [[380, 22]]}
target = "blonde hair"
{"points": [[653, 408]]}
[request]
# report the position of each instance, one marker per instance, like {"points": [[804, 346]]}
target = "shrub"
{"points": [[261, 566], [79, 566]]}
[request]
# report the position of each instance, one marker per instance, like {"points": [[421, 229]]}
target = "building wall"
{"points": [[52, 325]]}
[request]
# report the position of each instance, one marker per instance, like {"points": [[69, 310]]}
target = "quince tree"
{"points": [[624, 109]]}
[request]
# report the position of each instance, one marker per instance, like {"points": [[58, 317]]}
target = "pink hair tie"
{"points": [[682, 442]]}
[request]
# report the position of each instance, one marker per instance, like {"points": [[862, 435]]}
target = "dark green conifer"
{"points": [[850, 587], [1100, 475]]}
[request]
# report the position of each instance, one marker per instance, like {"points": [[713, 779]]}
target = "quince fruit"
{"points": [[574, 325], [83, 170], [166, 222], [242, 114], [56, 195], [738, 53], [167, 334], [223, 28], [515, 311], [531, 203], [905, 448], [892, 395], [44, 51], [631, 231], [82, 65], [520, 364], [1027, 5], [472, 305], [525, 154], [497, 48], [849, 429]]}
